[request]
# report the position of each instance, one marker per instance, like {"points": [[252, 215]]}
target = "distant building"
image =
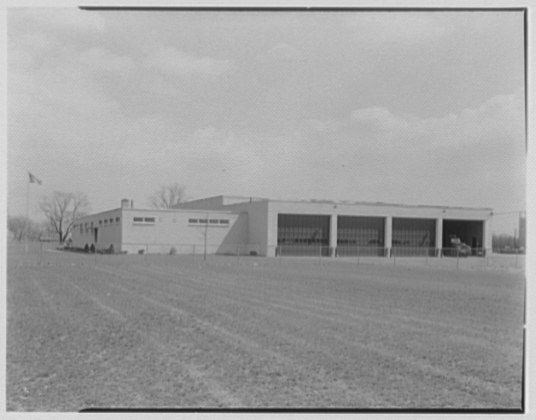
{"points": [[247, 225]]}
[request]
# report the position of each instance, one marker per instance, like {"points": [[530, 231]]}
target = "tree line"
{"points": [[506, 241], [62, 209]]}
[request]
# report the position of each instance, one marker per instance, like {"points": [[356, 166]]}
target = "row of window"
{"points": [[208, 221], [149, 220], [152, 220], [88, 226]]}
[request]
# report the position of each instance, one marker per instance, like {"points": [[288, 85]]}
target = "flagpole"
{"points": [[27, 216]]}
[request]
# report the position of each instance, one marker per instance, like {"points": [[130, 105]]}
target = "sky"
{"points": [[397, 107]]}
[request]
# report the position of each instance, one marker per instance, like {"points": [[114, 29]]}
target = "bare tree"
{"points": [[168, 197], [21, 227], [62, 209]]}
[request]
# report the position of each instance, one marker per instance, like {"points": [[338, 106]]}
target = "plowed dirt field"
{"points": [[176, 332]]}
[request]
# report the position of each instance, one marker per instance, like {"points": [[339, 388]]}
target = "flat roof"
{"points": [[224, 211], [258, 199], [379, 203]]}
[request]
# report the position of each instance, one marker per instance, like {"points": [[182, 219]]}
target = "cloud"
{"points": [[399, 27], [38, 42], [379, 119], [500, 117], [173, 62], [102, 60], [280, 52], [65, 19]]}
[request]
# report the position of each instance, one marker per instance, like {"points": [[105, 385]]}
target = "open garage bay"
{"points": [[178, 332]]}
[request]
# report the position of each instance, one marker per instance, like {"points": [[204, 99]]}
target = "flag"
{"points": [[34, 179]]}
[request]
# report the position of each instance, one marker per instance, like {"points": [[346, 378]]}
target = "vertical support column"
{"points": [[271, 233], [388, 242], [439, 236], [487, 236], [333, 235]]}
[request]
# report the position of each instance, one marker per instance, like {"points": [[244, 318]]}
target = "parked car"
{"points": [[457, 248]]}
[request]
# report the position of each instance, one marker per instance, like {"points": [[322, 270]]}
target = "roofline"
{"points": [[345, 202], [181, 210], [383, 204], [313, 201], [158, 210], [245, 197]]}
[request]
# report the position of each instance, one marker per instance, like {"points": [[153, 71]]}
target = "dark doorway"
{"points": [[302, 234], [95, 235], [470, 232], [413, 237], [359, 235]]}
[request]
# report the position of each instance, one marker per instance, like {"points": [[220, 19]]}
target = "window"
{"points": [[117, 219], [210, 222], [105, 221], [100, 222], [145, 220]]}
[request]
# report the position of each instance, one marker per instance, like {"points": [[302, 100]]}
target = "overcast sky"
{"points": [[412, 107]]}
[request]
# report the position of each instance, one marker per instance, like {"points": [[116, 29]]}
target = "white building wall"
{"points": [[488, 235], [379, 210], [176, 229], [252, 225], [258, 221], [108, 225], [388, 235], [388, 211], [439, 235], [209, 203]]}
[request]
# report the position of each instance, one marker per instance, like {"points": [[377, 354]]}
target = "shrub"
{"points": [[253, 253], [172, 251], [92, 248], [141, 251], [86, 248], [111, 249]]}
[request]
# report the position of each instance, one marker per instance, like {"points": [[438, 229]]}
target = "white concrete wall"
{"points": [[258, 221], [252, 223], [109, 232], [388, 235], [380, 210], [439, 235], [173, 229], [388, 211], [333, 232], [209, 203], [488, 235]]}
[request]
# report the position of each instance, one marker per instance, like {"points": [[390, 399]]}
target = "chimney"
{"points": [[124, 203]]}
